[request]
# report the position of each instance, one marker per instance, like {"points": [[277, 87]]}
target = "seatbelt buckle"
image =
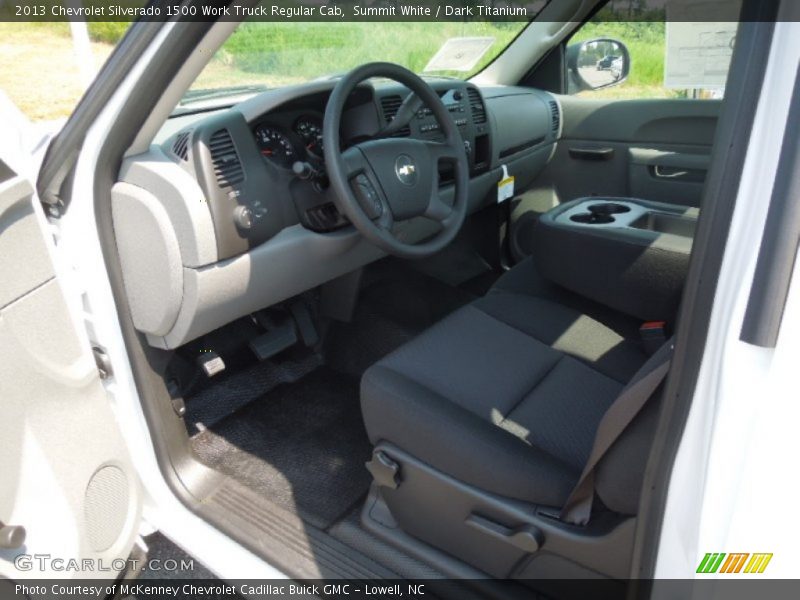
{"points": [[653, 335]]}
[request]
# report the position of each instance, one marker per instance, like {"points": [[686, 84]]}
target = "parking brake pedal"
{"points": [[278, 338]]}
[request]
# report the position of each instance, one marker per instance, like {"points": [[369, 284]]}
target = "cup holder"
{"points": [[593, 218], [608, 208]]}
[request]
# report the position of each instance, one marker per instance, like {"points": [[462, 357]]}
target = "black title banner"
{"points": [[357, 10]]}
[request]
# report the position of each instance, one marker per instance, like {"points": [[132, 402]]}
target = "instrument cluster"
{"points": [[283, 145]]}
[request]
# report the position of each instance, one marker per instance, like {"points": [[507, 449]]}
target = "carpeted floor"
{"points": [[292, 429], [302, 445], [229, 392]]}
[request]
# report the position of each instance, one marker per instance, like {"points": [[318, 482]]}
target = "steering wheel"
{"points": [[380, 182]]}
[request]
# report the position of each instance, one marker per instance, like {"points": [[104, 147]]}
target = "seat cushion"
{"points": [[566, 330], [504, 394], [525, 280]]}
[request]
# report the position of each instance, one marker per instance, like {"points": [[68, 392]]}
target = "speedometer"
{"points": [[275, 145], [309, 128]]}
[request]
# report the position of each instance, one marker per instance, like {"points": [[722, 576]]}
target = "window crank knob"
{"points": [[11, 536]]}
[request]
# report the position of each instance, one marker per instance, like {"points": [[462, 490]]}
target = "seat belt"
{"points": [[578, 507]]}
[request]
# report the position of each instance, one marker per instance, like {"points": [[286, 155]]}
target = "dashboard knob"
{"points": [[243, 217], [458, 95]]}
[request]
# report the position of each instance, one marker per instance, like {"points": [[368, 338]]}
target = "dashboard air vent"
{"points": [[555, 115], [476, 104], [180, 147], [390, 105], [227, 166]]}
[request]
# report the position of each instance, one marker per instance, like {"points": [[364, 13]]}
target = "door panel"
{"points": [[662, 148], [65, 474], [674, 121]]}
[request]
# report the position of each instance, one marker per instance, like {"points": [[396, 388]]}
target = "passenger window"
{"points": [[609, 57]]}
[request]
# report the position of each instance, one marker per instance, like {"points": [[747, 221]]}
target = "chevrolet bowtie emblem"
{"points": [[405, 169]]}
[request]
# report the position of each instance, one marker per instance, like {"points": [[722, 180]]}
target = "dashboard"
{"points": [[236, 158], [230, 210]]}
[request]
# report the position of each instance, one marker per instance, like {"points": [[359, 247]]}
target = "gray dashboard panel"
{"points": [[182, 198], [524, 131], [520, 122], [295, 260], [150, 256], [526, 166]]}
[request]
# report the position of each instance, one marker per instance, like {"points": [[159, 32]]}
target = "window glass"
{"points": [[667, 59], [48, 66], [272, 54]]}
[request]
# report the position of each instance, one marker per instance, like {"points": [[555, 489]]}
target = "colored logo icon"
{"points": [[720, 562]]}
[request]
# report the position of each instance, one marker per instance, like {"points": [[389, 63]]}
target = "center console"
{"points": [[629, 254]]}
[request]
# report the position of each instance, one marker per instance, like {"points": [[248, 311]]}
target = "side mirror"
{"points": [[597, 64]]}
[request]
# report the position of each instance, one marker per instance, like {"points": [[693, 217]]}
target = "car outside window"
{"points": [[667, 59]]}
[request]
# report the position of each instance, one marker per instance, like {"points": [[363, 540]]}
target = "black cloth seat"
{"points": [[506, 393]]}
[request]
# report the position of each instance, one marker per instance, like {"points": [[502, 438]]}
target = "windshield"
{"points": [[262, 55]]}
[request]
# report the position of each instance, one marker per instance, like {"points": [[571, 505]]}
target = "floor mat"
{"points": [[225, 394], [302, 445]]}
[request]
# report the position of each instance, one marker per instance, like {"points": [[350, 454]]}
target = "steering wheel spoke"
{"points": [[386, 220], [438, 209], [366, 189], [354, 162]]}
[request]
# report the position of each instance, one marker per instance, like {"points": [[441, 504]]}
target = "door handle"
{"points": [[669, 172], [604, 153]]}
